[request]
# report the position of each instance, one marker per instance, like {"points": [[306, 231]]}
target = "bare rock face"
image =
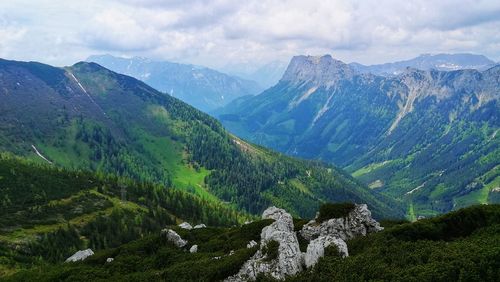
{"points": [[193, 249], [316, 248], [173, 237], [359, 222], [186, 225], [289, 260], [199, 226], [80, 255]]}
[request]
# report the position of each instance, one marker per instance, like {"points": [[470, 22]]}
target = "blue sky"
{"points": [[220, 32]]}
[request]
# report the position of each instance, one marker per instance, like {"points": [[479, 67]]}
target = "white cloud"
{"points": [[219, 32]]}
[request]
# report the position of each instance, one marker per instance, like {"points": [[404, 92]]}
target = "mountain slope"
{"points": [[429, 137], [201, 87], [443, 62], [462, 245], [88, 117], [46, 213]]}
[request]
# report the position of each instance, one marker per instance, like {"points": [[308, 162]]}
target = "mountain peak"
{"points": [[316, 69]]}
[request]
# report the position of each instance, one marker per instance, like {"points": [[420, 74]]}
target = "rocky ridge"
{"points": [[289, 259]]}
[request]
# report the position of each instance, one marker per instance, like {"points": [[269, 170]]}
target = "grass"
{"points": [[300, 186], [479, 196], [173, 158], [369, 168]]}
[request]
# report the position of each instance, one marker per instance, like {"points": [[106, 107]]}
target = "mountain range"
{"points": [[428, 137], [88, 117], [442, 62], [201, 87]]}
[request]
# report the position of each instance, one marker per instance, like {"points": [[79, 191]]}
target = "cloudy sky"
{"points": [[220, 32]]}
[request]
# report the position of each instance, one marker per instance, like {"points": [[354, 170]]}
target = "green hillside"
{"points": [[460, 246], [46, 214], [87, 117]]}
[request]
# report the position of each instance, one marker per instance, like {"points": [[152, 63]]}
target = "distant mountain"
{"points": [[266, 75], [443, 62], [428, 137], [203, 88], [88, 117]]}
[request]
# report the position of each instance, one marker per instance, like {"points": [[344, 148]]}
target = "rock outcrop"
{"points": [[251, 244], [359, 222], [174, 238], [193, 249], [108, 260], [289, 258], [80, 255], [185, 225], [316, 248], [198, 226]]}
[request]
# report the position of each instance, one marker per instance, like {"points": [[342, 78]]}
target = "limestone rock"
{"points": [[289, 260], [199, 226], [359, 222], [108, 260], [174, 238], [193, 249], [186, 225], [251, 244], [316, 249], [80, 255]]}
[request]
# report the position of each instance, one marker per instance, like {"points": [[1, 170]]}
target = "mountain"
{"points": [[265, 75], [443, 62], [426, 137], [201, 87], [88, 117]]}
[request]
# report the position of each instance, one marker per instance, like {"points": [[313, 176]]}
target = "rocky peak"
{"points": [[320, 70]]}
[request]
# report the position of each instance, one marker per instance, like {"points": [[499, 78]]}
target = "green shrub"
{"points": [[337, 210], [271, 250]]}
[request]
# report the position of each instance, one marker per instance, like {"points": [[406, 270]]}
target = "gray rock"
{"points": [[193, 249], [316, 249], [290, 259], [359, 222], [198, 226], [108, 260], [185, 225], [251, 244], [80, 255], [174, 238]]}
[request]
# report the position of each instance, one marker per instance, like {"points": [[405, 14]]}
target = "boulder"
{"points": [[198, 226], [174, 238], [185, 225], [80, 255], [108, 260], [358, 222], [316, 249], [193, 249]]}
